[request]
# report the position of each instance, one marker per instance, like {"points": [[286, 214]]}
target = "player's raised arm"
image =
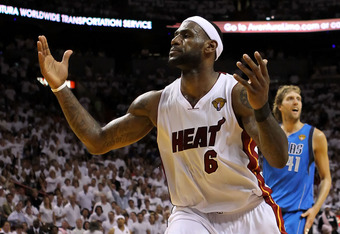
{"points": [[251, 104], [98, 140]]}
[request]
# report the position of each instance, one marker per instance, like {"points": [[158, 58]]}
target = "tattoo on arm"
{"points": [[78, 120], [244, 98]]}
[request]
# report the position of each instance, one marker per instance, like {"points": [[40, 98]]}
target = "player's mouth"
{"points": [[174, 49]]}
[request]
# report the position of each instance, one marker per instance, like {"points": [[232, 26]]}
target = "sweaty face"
{"points": [[187, 45], [291, 106]]}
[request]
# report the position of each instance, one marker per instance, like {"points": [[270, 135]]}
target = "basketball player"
{"points": [[293, 185], [208, 125]]}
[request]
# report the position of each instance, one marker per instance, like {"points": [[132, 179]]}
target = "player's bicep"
{"points": [[135, 124], [125, 130]]}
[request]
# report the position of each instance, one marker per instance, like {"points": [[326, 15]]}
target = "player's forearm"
{"points": [[81, 122], [273, 142], [325, 186]]}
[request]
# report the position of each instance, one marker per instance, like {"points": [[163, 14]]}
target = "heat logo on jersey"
{"points": [[193, 138], [302, 137], [218, 103]]}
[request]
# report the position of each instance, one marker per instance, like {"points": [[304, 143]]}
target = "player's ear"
{"points": [[210, 46]]}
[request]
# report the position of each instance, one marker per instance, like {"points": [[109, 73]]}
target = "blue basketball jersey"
{"points": [[293, 185]]}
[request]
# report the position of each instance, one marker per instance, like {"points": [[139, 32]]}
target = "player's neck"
{"points": [[291, 126], [195, 85]]}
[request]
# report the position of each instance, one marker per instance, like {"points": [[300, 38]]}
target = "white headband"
{"points": [[210, 30]]}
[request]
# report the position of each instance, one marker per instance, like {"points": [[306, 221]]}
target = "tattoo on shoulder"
{"points": [[244, 98]]}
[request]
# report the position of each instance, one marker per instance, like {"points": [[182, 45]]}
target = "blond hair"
{"points": [[280, 95]]}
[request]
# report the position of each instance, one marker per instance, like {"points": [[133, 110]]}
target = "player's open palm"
{"points": [[54, 72], [258, 84]]}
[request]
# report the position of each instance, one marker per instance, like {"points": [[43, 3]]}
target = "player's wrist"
{"points": [[60, 87], [262, 113]]}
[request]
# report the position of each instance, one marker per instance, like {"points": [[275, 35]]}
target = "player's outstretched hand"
{"points": [[258, 84], [54, 72]]}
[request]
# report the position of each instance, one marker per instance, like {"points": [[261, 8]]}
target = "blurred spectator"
{"points": [[86, 225], [34, 210], [35, 198], [79, 227], [104, 204], [29, 215], [85, 215], [141, 226], [51, 181], [46, 212], [132, 219], [17, 216], [65, 228], [58, 210], [94, 228], [164, 223], [8, 205], [6, 228], [18, 229], [154, 227], [328, 223], [154, 200], [120, 227], [66, 189], [109, 223], [72, 211], [131, 207], [54, 230], [85, 198], [122, 197], [36, 228], [98, 215]]}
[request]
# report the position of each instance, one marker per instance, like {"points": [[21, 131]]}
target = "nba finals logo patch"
{"points": [[218, 103], [302, 137]]}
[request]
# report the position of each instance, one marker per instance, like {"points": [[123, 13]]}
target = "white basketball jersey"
{"points": [[209, 161]]}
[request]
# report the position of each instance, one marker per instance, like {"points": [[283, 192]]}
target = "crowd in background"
{"points": [[49, 181]]}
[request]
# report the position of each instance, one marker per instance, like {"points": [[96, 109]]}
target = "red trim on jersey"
{"points": [[249, 148]]}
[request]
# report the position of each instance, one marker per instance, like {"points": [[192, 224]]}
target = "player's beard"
{"points": [[186, 60], [293, 118]]}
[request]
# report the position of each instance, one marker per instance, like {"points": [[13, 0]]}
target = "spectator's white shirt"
{"points": [[30, 219], [72, 214], [95, 232], [154, 202], [51, 184], [135, 209], [67, 190], [154, 228], [17, 216], [58, 211], [107, 225], [140, 228], [77, 231], [95, 217], [46, 214], [106, 208], [85, 200]]}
